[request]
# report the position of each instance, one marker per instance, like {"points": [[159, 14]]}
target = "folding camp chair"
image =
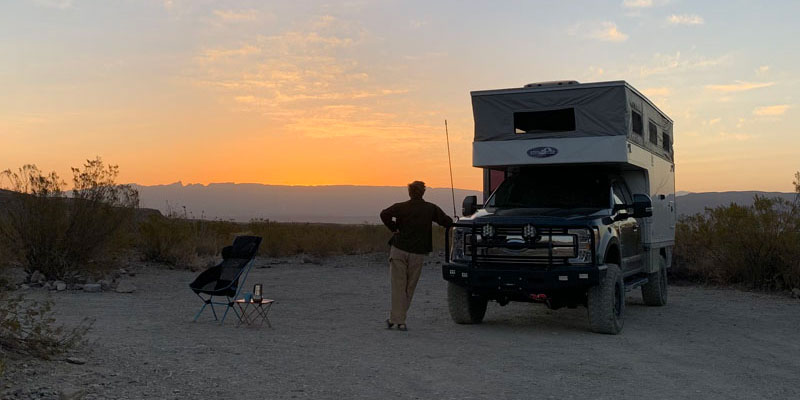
{"points": [[226, 279]]}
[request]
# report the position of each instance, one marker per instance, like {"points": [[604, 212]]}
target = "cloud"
{"points": [[236, 16], [605, 31], [657, 91], [714, 121], [59, 4], [637, 3], [739, 137], [771, 111], [739, 86], [668, 63], [595, 73], [685, 19], [762, 70], [219, 54], [418, 23], [303, 81]]}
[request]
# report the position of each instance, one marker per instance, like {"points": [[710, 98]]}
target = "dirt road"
{"points": [[328, 342]]}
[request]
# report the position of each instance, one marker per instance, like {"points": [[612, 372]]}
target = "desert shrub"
{"points": [[756, 246], [27, 327], [61, 235]]}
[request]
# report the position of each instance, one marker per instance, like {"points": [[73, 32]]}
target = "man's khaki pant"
{"points": [[404, 269]]}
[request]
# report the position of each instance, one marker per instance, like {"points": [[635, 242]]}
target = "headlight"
{"points": [[583, 237], [487, 231], [457, 250]]}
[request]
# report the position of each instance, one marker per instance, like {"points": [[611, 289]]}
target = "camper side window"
{"points": [[562, 120], [651, 127], [666, 145], [636, 123]]}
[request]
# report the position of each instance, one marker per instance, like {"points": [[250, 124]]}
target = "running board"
{"points": [[635, 284]]}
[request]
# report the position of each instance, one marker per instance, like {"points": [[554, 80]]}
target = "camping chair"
{"points": [[227, 278]]}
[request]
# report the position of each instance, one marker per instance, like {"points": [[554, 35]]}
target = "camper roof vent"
{"points": [[551, 83]]}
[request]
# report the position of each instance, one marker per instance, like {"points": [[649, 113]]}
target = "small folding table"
{"points": [[254, 311]]}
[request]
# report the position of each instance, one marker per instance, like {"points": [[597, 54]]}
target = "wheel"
{"points": [[464, 307], [606, 302], [654, 292]]}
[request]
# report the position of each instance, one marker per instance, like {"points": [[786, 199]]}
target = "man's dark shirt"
{"points": [[412, 222]]}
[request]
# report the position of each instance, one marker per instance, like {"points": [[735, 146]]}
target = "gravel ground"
{"points": [[328, 341]]}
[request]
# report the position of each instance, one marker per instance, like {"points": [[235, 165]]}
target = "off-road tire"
{"points": [[606, 302], [654, 292], [464, 307]]}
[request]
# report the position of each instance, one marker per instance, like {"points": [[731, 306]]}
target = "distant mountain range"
{"points": [[344, 204], [693, 203], [245, 201]]}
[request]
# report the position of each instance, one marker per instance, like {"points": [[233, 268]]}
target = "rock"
{"points": [[76, 360], [125, 286], [15, 276], [105, 284], [47, 286], [92, 288], [796, 293], [311, 260], [60, 286], [37, 277], [72, 394], [24, 287]]}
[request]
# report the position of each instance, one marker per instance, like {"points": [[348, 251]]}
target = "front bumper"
{"points": [[522, 281]]}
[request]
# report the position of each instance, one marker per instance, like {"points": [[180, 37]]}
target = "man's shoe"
{"points": [[389, 324], [402, 327]]}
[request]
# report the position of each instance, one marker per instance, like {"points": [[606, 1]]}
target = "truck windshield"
{"points": [[553, 189]]}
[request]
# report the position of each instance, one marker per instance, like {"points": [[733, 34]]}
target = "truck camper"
{"points": [[578, 202]]}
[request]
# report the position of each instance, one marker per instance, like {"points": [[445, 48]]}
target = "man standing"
{"points": [[410, 222]]}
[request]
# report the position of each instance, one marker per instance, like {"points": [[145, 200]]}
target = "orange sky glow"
{"points": [[357, 93]]}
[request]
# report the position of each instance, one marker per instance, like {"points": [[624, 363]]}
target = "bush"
{"points": [[179, 240], [757, 246], [60, 235], [27, 327]]}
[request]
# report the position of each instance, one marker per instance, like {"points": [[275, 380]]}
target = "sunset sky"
{"points": [[356, 92]]}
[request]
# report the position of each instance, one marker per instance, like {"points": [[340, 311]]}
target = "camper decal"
{"points": [[542, 152]]}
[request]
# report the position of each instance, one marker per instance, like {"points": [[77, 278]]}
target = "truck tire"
{"points": [[464, 307], [654, 292], [606, 302]]}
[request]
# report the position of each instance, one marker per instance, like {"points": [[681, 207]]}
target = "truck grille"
{"points": [[509, 249]]}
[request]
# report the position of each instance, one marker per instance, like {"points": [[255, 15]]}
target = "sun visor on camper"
{"points": [[528, 114]]}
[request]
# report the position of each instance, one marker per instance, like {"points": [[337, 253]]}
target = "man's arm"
{"points": [[388, 215], [441, 218]]}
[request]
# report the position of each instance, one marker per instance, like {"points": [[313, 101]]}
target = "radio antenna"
{"points": [[450, 163]]}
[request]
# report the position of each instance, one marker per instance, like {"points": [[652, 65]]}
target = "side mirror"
{"points": [[642, 206], [621, 212], [469, 206]]}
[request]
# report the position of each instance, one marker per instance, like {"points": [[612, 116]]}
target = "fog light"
{"points": [[529, 232]]}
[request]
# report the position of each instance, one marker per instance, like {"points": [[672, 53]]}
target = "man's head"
{"points": [[416, 189]]}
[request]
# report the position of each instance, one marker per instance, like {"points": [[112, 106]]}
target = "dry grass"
{"points": [[182, 241]]}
